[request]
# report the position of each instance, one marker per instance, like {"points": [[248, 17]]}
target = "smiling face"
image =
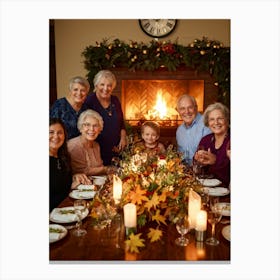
{"points": [[104, 88], [150, 136], [78, 93], [56, 138], [187, 110], [217, 122], [90, 129]]}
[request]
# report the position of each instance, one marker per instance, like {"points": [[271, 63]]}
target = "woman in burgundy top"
{"points": [[212, 151]]}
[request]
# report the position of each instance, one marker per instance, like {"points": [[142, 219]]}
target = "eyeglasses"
{"points": [[93, 126], [219, 119]]}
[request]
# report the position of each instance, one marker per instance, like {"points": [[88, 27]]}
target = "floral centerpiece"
{"points": [[158, 185]]}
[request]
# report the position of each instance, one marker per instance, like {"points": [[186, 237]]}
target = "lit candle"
{"points": [[117, 189], [201, 221], [194, 206], [130, 217]]}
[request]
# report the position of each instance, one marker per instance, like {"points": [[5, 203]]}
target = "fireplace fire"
{"points": [[156, 100]]}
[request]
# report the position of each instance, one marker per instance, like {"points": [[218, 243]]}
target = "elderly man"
{"points": [[189, 133]]}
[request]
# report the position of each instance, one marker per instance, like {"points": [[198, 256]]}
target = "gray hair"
{"points": [[104, 74], [187, 96], [79, 80], [216, 106], [89, 113]]}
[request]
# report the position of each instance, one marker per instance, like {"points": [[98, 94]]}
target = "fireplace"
{"points": [[156, 100], [144, 94]]}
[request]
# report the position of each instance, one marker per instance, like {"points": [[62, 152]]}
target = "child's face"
{"points": [[149, 135]]}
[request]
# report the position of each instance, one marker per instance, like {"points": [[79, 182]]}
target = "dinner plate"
{"points": [[226, 232], [58, 233], [85, 187], [210, 182], [66, 215], [218, 191], [225, 207], [79, 194]]}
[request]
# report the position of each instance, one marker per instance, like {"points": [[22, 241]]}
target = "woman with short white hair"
{"points": [[213, 156], [84, 150]]}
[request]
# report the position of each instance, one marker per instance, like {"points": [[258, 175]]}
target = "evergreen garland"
{"points": [[201, 55]]}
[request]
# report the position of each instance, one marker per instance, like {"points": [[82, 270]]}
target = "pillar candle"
{"points": [[201, 221], [194, 206], [117, 188], [130, 216]]}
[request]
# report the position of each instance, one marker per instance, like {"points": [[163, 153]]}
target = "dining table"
{"points": [[108, 244]]}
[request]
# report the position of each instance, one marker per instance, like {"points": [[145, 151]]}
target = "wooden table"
{"points": [[100, 245]]}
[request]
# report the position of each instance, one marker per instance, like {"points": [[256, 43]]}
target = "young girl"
{"points": [[150, 132]]}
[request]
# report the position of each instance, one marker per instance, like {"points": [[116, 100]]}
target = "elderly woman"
{"points": [[69, 108], [84, 150], [61, 180], [112, 139], [213, 155]]}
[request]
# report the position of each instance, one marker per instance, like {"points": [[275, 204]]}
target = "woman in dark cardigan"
{"points": [[112, 139]]}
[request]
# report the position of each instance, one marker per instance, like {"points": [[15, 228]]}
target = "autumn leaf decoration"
{"points": [[154, 234], [134, 242]]}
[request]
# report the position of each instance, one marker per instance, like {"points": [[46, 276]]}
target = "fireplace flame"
{"points": [[160, 106]]}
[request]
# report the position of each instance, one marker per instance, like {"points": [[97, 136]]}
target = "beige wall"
{"points": [[72, 36]]}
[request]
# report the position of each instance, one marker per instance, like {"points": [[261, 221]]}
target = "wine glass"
{"points": [[214, 217], [197, 169], [79, 207], [182, 226], [213, 201], [204, 194]]}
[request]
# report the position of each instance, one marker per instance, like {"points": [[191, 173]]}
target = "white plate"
{"points": [[219, 191], [226, 232], [85, 187], [57, 217], [225, 207], [78, 194], [55, 236], [210, 182]]}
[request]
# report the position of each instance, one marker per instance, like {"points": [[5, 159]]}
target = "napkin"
{"points": [[58, 216], [99, 181]]}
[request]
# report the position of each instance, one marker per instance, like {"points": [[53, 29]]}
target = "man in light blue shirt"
{"points": [[190, 132]]}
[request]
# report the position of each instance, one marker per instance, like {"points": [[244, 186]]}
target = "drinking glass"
{"points": [[80, 206], [182, 226], [213, 201], [204, 194], [197, 169], [214, 217]]}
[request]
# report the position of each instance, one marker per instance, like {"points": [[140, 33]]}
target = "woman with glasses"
{"points": [[212, 152], [84, 150]]}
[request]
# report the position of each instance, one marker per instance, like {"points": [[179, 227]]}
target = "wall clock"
{"points": [[157, 28]]}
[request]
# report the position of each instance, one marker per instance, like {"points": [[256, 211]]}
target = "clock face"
{"points": [[157, 28]]}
